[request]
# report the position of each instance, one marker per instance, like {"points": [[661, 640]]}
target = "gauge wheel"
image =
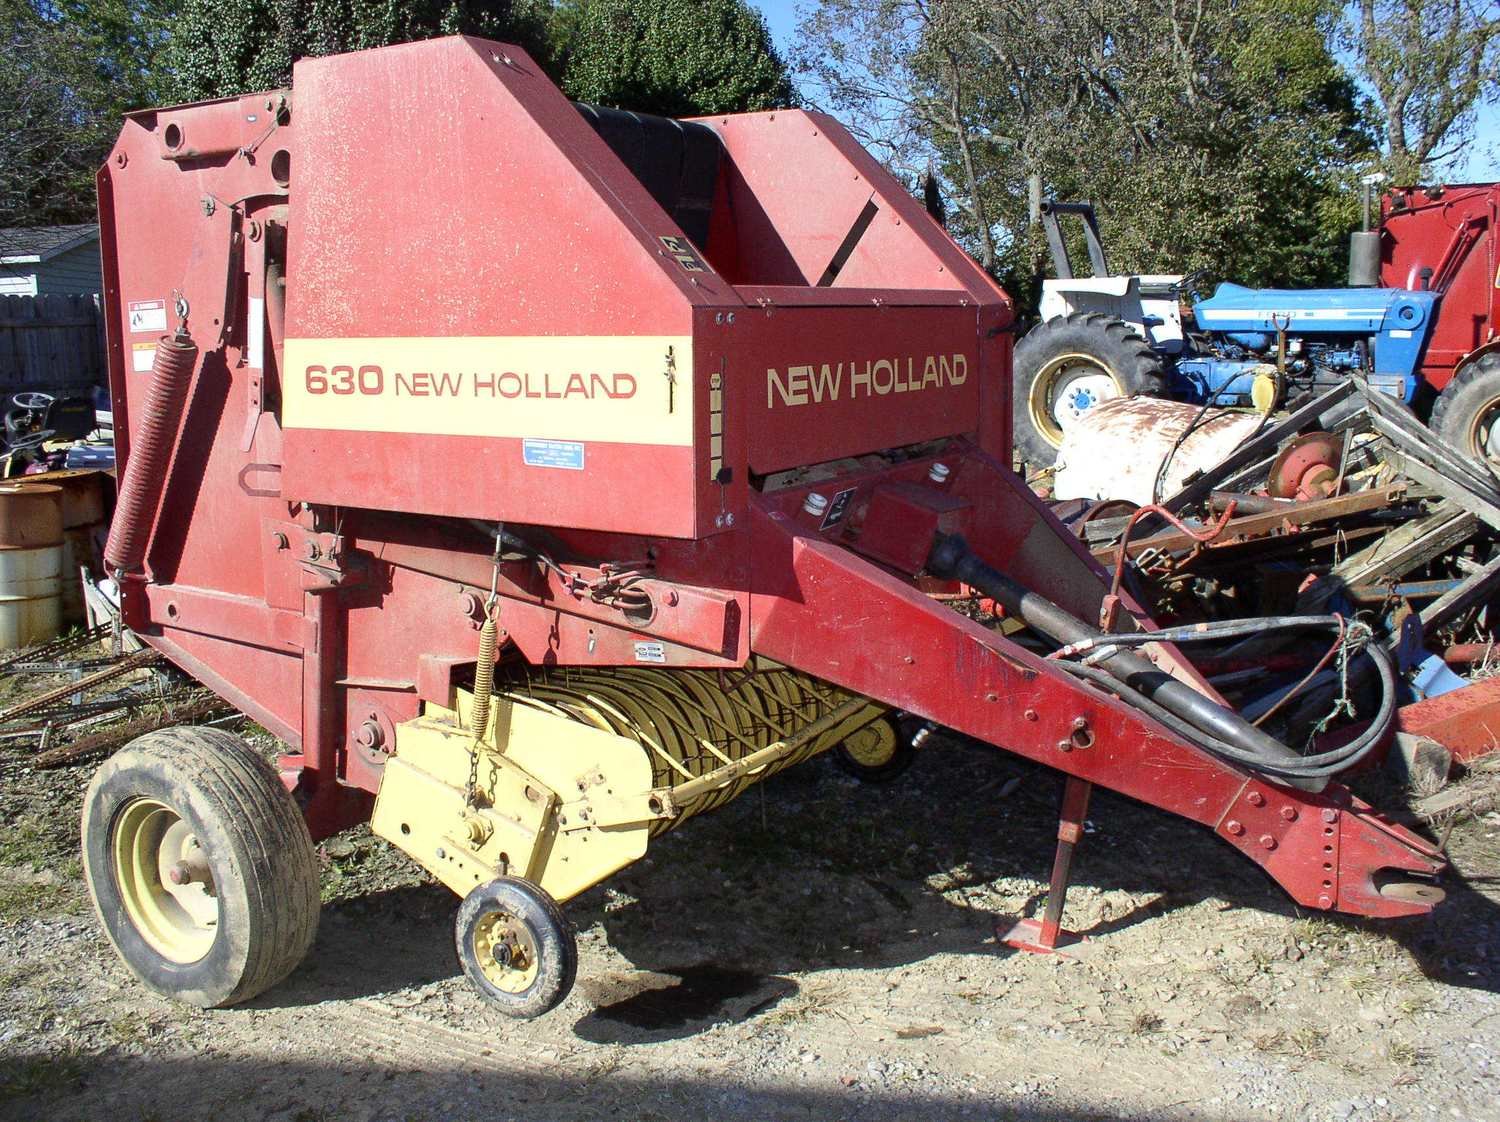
{"points": [[1467, 412], [516, 947], [200, 866], [1065, 367], [878, 753]]}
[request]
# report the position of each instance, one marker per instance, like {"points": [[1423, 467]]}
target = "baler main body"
{"points": [[720, 385]]}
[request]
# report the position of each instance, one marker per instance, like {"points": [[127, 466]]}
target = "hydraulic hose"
{"points": [[1216, 727]]}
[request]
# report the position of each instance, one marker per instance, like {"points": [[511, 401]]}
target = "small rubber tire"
{"points": [[553, 946], [1465, 402], [899, 754], [254, 843], [1113, 347]]}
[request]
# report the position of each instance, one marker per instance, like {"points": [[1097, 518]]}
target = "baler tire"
{"points": [[901, 755], [1110, 347], [1469, 403], [516, 907], [238, 821]]}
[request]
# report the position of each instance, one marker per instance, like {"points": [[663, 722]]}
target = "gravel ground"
{"points": [[818, 950]]}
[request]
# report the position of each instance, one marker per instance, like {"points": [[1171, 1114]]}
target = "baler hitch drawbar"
{"points": [[740, 437]]}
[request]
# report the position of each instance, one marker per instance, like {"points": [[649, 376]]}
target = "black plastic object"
{"points": [[676, 161]]}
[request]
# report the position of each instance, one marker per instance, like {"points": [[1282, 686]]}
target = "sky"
{"points": [[1481, 163]]}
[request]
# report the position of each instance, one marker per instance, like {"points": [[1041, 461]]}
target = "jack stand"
{"points": [[1046, 936]]}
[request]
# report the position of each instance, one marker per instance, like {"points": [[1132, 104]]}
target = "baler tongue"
{"points": [[555, 474]]}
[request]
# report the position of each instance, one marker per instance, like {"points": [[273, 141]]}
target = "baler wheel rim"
{"points": [[513, 915], [179, 921], [856, 757], [875, 745], [505, 951]]}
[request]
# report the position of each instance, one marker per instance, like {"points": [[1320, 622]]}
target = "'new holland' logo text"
{"points": [[813, 385]]}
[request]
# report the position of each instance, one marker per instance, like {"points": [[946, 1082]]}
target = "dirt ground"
{"points": [[820, 949]]}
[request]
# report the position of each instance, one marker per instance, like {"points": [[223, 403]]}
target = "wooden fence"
{"points": [[50, 343]]}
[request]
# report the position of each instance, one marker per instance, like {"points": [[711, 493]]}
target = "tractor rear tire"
{"points": [[1467, 412], [200, 866], [1068, 364]]}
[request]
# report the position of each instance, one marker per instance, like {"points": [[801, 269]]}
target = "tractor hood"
{"points": [[1314, 311]]}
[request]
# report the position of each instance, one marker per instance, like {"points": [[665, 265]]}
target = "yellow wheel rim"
{"points": [[505, 950], [872, 746], [165, 884], [1064, 388]]}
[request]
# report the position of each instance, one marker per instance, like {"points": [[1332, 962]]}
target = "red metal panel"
{"points": [[823, 382], [484, 477], [1447, 238], [1465, 721]]}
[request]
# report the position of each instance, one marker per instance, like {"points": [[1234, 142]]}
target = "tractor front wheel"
{"points": [[200, 866], [1467, 412], [1065, 367]]}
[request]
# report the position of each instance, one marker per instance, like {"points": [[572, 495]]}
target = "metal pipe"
{"points": [[952, 559]]}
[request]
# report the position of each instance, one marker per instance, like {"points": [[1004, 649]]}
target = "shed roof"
{"points": [[21, 245]]}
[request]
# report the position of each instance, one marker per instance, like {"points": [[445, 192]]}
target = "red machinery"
{"points": [[557, 473], [1447, 240]]}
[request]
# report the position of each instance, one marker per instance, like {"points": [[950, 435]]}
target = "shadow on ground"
{"points": [[813, 870], [306, 1091]]}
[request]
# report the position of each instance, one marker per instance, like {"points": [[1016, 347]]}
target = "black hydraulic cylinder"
{"points": [[952, 559]]}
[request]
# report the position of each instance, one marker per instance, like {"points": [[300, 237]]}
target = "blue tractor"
{"points": [[1104, 336]]}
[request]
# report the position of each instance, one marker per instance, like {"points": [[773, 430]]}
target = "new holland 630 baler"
{"points": [[546, 475]]}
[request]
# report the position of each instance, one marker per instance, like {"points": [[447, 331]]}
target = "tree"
{"points": [[872, 64], [1430, 64], [71, 69], [225, 47], [1210, 134], [674, 57]]}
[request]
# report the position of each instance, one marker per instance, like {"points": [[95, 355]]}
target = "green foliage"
{"points": [[69, 70], [667, 56], [1216, 136], [225, 47], [675, 57]]}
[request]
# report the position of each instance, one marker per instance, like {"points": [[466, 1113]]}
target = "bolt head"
{"points": [[180, 873], [121, 159], [1325, 900], [1255, 798], [1235, 827], [1064, 745], [1080, 723], [1267, 841], [1030, 714], [1330, 815], [1289, 813]]}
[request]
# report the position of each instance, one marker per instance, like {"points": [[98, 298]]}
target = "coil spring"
{"points": [[146, 466], [689, 722]]}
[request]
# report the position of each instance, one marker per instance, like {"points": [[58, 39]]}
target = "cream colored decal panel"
{"points": [[635, 389]]}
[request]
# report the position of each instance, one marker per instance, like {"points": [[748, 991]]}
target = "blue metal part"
{"points": [[1396, 322]]}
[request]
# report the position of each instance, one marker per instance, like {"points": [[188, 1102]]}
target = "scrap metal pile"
{"points": [[1364, 537]]}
